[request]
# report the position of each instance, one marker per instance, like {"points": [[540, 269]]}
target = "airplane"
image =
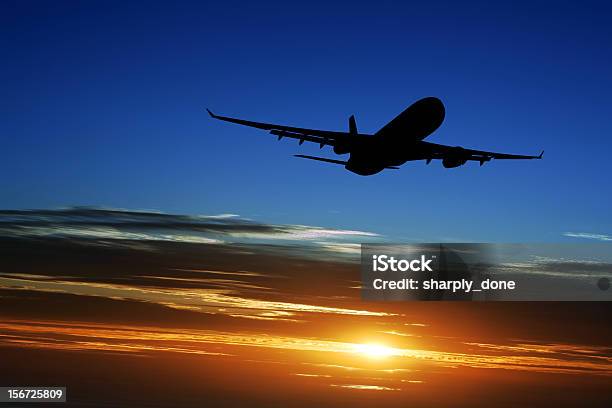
{"points": [[397, 142]]}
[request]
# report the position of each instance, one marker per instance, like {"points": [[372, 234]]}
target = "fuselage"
{"points": [[399, 141]]}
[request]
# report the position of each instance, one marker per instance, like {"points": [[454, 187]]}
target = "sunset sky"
{"points": [[254, 313]]}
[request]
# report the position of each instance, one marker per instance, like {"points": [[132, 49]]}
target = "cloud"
{"points": [[210, 296], [367, 387], [346, 248], [535, 357], [588, 235], [557, 267], [123, 225]]}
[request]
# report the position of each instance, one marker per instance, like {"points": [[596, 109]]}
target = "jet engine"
{"points": [[455, 158], [342, 148]]}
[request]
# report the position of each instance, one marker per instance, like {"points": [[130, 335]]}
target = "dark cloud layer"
{"points": [[142, 220], [139, 228]]}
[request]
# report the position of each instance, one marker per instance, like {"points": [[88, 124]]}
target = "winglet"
{"points": [[541, 154], [212, 115]]}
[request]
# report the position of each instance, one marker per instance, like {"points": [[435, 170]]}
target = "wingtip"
{"points": [[541, 154], [212, 115]]}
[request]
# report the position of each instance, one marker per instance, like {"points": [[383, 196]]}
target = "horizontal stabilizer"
{"points": [[323, 159]]}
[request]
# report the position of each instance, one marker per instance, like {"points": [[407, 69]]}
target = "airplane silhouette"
{"points": [[399, 141]]}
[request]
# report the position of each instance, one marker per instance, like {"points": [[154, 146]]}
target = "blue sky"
{"points": [[103, 106]]}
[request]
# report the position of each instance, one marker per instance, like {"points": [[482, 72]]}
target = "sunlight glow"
{"points": [[374, 350], [144, 340]]}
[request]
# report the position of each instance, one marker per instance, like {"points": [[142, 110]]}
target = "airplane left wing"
{"points": [[322, 137]]}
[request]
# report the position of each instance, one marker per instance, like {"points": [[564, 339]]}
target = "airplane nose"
{"points": [[431, 112], [433, 104], [438, 107]]}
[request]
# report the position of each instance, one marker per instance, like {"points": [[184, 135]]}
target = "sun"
{"points": [[374, 350]]}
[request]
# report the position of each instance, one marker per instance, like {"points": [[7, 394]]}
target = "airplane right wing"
{"points": [[322, 137], [439, 151]]}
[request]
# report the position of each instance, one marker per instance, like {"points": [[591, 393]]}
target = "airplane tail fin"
{"points": [[352, 125]]}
